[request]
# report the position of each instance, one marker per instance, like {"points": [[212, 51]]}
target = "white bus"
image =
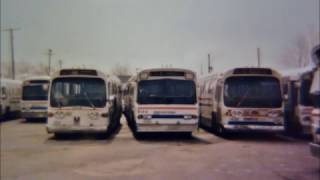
{"points": [[34, 102], [299, 104], [10, 95], [315, 92], [162, 100], [242, 99], [83, 100]]}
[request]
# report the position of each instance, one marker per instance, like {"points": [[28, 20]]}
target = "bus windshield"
{"points": [[166, 91], [253, 92], [34, 92], [89, 92]]}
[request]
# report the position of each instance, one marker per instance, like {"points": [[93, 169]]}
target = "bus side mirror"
{"points": [[45, 87], [3, 93], [110, 98], [3, 96], [285, 97]]}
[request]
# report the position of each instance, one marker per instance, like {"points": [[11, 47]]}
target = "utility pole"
{"points": [[60, 63], [201, 69], [13, 70], [209, 64], [49, 61], [258, 57]]}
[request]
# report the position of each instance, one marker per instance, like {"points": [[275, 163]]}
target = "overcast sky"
{"points": [[149, 33]]}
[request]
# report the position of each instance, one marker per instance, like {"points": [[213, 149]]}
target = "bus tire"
{"points": [[214, 123], [137, 135], [102, 135], [28, 120], [187, 134], [7, 113], [59, 135]]}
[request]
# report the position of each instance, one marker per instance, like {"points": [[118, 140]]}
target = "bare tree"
{"points": [[120, 70], [25, 69], [299, 55]]}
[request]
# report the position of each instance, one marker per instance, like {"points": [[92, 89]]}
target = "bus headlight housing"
{"points": [[236, 113], [189, 117], [144, 116], [59, 115], [93, 115], [274, 114]]}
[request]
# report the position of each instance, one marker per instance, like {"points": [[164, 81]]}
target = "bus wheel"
{"points": [[7, 114], [103, 135], [138, 135], [220, 131], [187, 134], [59, 135]]}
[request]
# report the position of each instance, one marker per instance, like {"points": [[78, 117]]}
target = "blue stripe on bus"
{"points": [[39, 107], [168, 116], [252, 123]]}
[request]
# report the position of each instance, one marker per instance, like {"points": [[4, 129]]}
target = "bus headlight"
{"points": [[274, 114], [144, 116], [236, 113], [189, 117], [59, 115]]}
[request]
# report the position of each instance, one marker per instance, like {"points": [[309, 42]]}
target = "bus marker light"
{"points": [[50, 114], [104, 114]]}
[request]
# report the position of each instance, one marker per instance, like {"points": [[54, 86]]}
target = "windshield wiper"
{"points": [[243, 98], [58, 102], [89, 100]]}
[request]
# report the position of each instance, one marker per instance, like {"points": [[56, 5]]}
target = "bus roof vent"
{"points": [[262, 71], [167, 73], [70, 72]]}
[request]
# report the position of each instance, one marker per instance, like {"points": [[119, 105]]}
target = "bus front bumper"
{"points": [[315, 149], [75, 129], [34, 114], [253, 126], [148, 127]]}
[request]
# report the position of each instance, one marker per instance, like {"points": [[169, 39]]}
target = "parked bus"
{"points": [[162, 100], [34, 102], [299, 102], [242, 99], [10, 95], [315, 92], [83, 100]]}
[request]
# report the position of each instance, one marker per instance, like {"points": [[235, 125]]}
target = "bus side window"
{"points": [[4, 93]]}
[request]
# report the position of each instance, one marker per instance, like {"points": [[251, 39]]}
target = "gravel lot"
{"points": [[28, 152]]}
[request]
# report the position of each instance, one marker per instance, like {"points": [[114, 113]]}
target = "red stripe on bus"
{"points": [[189, 108]]}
